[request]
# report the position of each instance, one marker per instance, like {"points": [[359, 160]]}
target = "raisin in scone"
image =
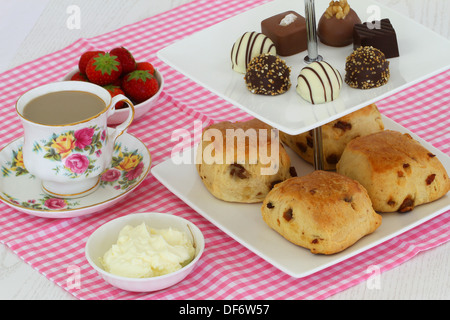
{"points": [[397, 171], [336, 135], [244, 166], [323, 211]]}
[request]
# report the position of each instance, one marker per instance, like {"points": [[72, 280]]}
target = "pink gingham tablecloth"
{"points": [[227, 270]]}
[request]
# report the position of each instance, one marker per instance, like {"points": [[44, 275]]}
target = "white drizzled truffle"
{"points": [[248, 46], [319, 82]]}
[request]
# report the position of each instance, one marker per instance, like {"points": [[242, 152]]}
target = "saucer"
{"points": [[21, 190]]}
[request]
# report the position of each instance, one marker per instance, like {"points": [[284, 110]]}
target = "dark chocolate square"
{"points": [[290, 39], [378, 34]]}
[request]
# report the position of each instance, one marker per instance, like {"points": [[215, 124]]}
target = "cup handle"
{"points": [[121, 128]]}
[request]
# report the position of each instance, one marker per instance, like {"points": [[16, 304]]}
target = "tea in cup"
{"points": [[67, 143]]}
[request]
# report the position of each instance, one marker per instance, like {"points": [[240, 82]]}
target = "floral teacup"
{"points": [[70, 158]]}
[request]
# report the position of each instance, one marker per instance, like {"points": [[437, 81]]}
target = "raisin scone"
{"points": [[336, 135], [323, 211], [397, 171], [242, 161]]}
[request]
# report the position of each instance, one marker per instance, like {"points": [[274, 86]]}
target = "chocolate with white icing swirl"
{"points": [[248, 46], [319, 82]]}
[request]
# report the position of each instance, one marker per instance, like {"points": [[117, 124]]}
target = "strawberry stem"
{"points": [[106, 63]]}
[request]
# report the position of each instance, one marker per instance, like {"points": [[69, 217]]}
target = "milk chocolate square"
{"points": [[378, 34], [288, 39]]}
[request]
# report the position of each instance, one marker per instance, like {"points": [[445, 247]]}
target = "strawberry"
{"points": [[114, 91], [144, 65], [85, 57], [79, 77], [139, 85], [103, 69], [117, 82], [126, 59]]}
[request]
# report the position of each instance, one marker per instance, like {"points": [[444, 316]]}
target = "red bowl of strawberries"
{"points": [[118, 72]]}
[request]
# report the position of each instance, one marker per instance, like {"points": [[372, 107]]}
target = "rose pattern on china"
{"points": [[77, 163], [55, 203], [83, 137], [63, 145], [76, 151], [135, 172], [111, 175], [126, 168], [46, 203], [16, 165]]}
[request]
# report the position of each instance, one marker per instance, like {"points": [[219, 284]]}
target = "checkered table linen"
{"points": [[227, 270]]}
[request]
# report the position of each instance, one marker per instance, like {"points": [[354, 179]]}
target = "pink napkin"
{"points": [[227, 270]]}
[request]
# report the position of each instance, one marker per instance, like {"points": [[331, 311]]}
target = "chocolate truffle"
{"points": [[268, 75], [378, 34], [287, 30], [335, 27], [248, 46], [319, 82], [366, 68]]}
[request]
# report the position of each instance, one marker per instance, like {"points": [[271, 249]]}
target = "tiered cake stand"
{"points": [[313, 55], [204, 58]]}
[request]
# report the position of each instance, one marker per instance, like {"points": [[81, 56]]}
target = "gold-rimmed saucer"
{"points": [[21, 190]]}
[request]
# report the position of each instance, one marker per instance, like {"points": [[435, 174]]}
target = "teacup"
{"points": [[69, 155]]}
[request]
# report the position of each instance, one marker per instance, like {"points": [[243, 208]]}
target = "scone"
{"points": [[336, 135], [245, 166], [323, 211], [397, 171]]}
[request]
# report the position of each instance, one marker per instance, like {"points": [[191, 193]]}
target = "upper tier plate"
{"points": [[423, 53]]}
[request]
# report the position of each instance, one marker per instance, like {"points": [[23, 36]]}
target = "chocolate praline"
{"points": [[268, 75], [337, 32], [378, 34], [289, 39], [366, 68]]}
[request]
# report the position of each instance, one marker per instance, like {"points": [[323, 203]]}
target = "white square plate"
{"points": [[244, 223], [205, 58]]}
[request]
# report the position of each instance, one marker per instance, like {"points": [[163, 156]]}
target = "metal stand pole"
{"points": [[318, 148], [313, 55], [310, 16]]}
